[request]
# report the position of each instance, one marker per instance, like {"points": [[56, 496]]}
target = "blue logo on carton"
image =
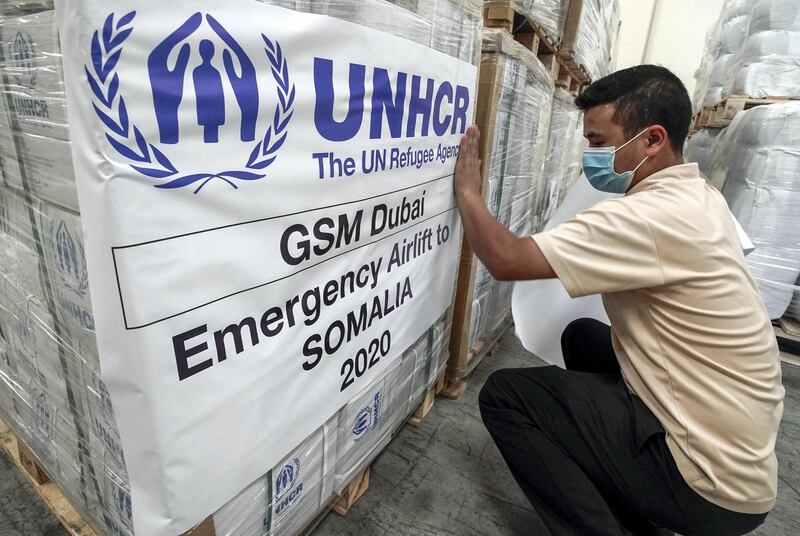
{"points": [[123, 522], [368, 418], [45, 416], [23, 52], [24, 72], [287, 476], [287, 490], [71, 260], [171, 78]]}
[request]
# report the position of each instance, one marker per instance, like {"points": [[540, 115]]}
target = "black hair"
{"points": [[644, 95]]}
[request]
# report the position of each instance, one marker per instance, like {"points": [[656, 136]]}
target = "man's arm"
{"points": [[506, 256]]}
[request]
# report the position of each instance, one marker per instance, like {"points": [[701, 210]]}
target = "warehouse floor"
{"points": [[446, 477]]}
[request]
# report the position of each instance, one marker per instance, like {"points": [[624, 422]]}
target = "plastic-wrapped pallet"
{"points": [[718, 67], [699, 149], [759, 156], [449, 26], [17, 8], [549, 15], [51, 389], [515, 123], [55, 404], [575, 167], [378, 14], [590, 35], [702, 72], [559, 162], [769, 62]]}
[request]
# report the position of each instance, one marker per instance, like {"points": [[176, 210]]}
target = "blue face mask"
{"points": [[598, 166]]}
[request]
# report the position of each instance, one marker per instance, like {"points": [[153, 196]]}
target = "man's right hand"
{"points": [[467, 177]]}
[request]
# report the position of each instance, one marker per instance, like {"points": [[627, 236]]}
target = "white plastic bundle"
{"points": [[728, 38], [700, 149], [759, 156], [769, 63], [702, 72]]}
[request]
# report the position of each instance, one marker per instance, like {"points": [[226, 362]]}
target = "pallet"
{"points": [[61, 508], [457, 373], [425, 408], [720, 115], [341, 505], [787, 331], [565, 73], [76, 525]]}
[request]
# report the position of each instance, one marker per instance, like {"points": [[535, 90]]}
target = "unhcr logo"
{"points": [[207, 71], [23, 54], [368, 418], [286, 492], [71, 260]]}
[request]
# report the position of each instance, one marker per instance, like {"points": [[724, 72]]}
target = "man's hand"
{"points": [[506, 256], [467, 178]]}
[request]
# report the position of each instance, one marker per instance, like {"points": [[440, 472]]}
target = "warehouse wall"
{"points": [[666, 32]]}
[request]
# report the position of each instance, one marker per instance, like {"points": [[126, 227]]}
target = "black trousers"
{"points": [[591, 457]]}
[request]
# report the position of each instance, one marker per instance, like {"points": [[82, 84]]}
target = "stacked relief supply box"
{"points": [[514, 102], [58, 402], [51, 390], [563, 160], [591, 35], [548, 15]]}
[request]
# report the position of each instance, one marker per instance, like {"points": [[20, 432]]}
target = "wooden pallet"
{"points": [[720, 115], [564, 72], [787, 331], [422, 411], [341, 505], [459, 371], [76, 525], [24, 459]]}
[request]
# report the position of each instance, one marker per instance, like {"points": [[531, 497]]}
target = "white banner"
{"points": [[264, 194]]}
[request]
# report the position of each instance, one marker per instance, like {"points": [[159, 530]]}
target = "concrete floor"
{"points": [[446, 477]]}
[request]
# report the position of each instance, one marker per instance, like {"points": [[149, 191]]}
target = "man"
{"points": [[667, 418]]}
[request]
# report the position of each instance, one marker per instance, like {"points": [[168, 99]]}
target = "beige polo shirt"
{"points": [[689, 327]]}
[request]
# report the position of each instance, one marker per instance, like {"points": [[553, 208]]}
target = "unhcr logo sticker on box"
{"points": [[22, 64], [287, 488], [269, 220]]}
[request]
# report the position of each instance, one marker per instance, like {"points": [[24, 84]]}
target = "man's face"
{"points": [[601, 131]]}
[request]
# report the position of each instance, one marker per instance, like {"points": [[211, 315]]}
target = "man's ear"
{"points": [[657, 140]]}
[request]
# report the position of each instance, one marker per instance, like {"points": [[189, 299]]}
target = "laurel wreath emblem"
{"points": [[144, 156]]}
